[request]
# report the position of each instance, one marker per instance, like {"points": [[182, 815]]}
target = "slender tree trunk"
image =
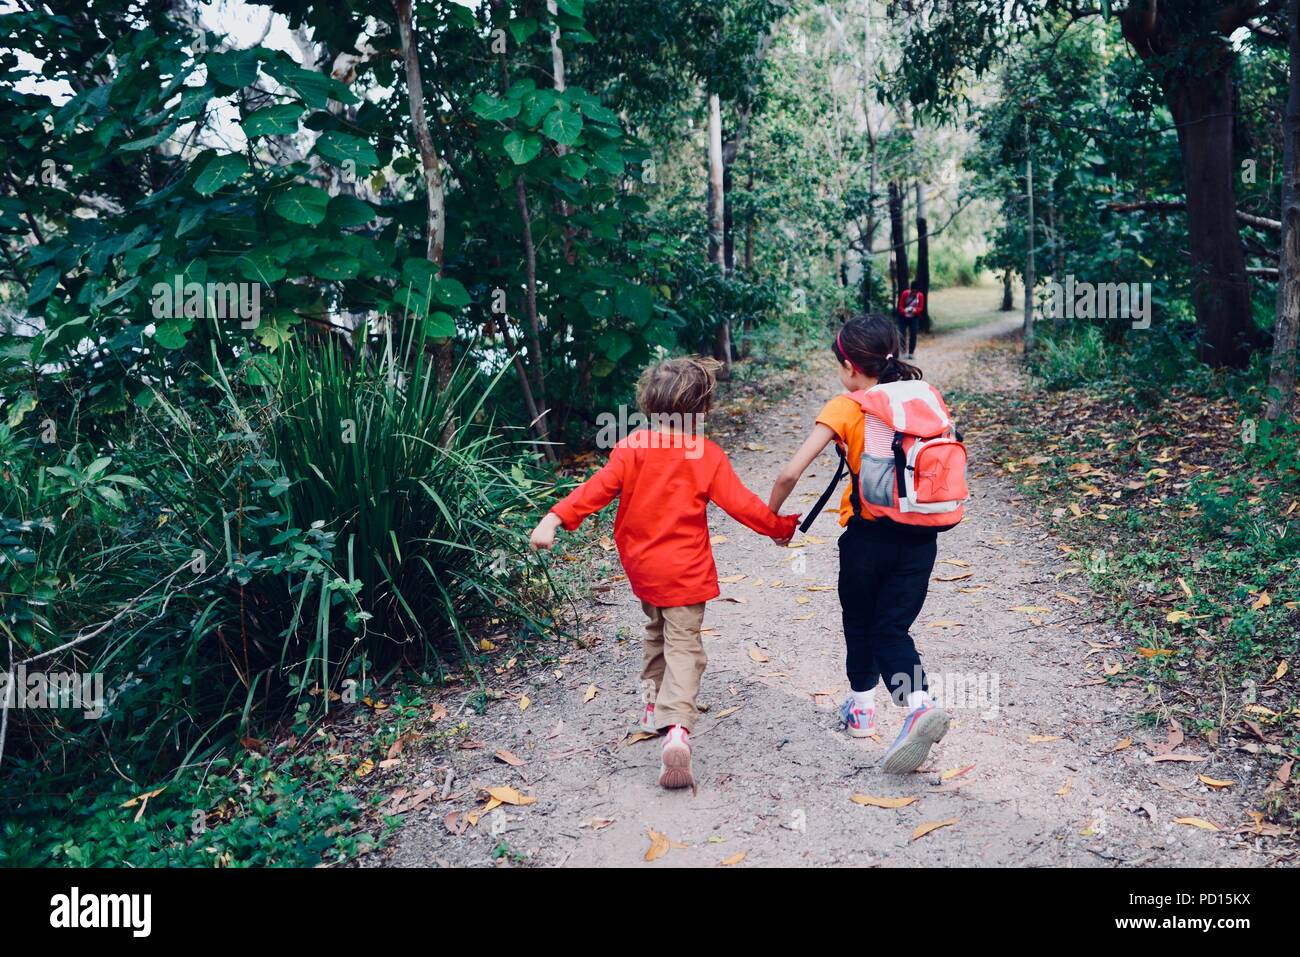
{"points": [[534, 321], [1282, 369], [922, 281], [722, 336], [899, 240], [1029, 244], [431, 166], [1006, 290], [746, 341], [1196, 75]]}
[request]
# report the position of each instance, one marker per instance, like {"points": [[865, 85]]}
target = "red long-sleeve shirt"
{"points": [[662, 529]]}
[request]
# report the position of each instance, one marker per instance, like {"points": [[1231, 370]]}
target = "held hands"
{"points": [[543, 536], [785, 539]]}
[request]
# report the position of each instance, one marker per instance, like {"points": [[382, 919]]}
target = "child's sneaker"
{"points": [[922, 727], [648, 718], [859, 722], [676, 769]]}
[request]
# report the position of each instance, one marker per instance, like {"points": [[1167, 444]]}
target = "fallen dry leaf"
{"points": [[1043, 738], [758, 657], [727, 711], [524, 702], [925, 829], [1065, 788], [870, 800], [659, 845], [959, 562], [733, 859], [945, 623], [508, 795], [589, 693], [717, 539], [960, 576], [1211, 782], [1203, 824], [731, 579], [1127, 742], [1031, 609], [956, 772], [510, 759]]}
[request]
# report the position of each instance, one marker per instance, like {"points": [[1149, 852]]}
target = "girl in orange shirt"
{"points": [[884, 566], [664, 480]]}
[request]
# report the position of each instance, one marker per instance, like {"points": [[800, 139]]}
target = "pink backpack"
{"points": [[923, 482]]}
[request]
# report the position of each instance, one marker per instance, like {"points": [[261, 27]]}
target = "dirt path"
{"points": [[775, 774]]}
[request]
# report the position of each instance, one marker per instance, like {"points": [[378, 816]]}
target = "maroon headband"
{"points": [[840, 347]]}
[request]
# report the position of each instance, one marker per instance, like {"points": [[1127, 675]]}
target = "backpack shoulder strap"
{"points": [[830, 490]]}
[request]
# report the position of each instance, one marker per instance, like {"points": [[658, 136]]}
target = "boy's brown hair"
{"points": [[682, 385]]}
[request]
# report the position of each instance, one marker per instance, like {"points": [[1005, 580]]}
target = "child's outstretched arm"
{"points": [[591, 496], [817, 440], [729, 492]]}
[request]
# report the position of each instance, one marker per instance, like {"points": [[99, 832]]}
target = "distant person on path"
{"points": [[906, 483], [911, 304], [664, 478]]}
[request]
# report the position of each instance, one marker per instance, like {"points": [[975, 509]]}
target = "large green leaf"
{"points": [[340, 148], [451, 292], [492, 108], [350, 211], [522, 148], [281, 120], [303, 204], [220, 171], [563, 126]]}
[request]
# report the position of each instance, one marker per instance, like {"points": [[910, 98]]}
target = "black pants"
{"points": [[907, 328], [884, 575]]}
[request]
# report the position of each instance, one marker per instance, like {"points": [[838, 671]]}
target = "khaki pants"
{"points": [[674, 662]]}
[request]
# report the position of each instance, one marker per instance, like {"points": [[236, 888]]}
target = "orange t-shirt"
{"points": [[843, 415], [662, 530]]}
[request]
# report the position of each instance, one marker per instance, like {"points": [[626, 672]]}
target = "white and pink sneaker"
{"points": [[676, 769]]}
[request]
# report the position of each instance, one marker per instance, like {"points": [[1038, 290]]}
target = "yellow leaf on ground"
{"points": [[870, 800], [1065, 788], [925, 829], [731, 579], [1043, 738], [802, 600], [365, 768], [1184, 586], [659, 845], [959, 562], [757, 656], [1262, 601], [510, 759], [733, 859], [589, 693], [508, 795], [717, 539], [1075, 510], [1126, 743], [956, 772], [1281, 670], [1031, 609], [524, 702], [820, 588], [727, 711], [961, 576], [814, 540], [944, 623], [1203, 824], [486, 645], [1154, 652], [972, 589], [640, 736], [1212, 782], [1070, 598]]}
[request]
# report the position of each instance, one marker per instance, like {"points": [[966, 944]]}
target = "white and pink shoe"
{"points": [[676, 769], [648, 718]]}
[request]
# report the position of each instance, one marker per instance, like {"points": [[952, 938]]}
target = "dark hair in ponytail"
{"points": [[870, 344]]}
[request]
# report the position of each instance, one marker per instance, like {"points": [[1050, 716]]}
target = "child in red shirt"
{"points": [[664, 478]]}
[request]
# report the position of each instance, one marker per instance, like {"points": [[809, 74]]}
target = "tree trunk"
{"points": [[1195, 72], [922, 281], [436, 207], [1006, 290], [899, 240], [722, 335], [1282, 369], [534, 322], [1029, 244]]}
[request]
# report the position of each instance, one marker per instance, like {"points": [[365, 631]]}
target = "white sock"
{"points": [[865, 700], [918, 699]]}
